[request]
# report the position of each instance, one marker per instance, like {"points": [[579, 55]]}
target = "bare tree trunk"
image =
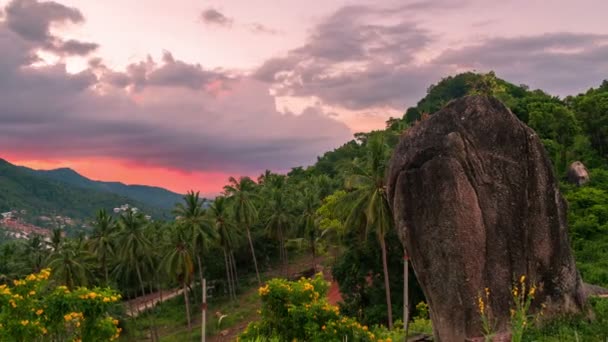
{"points": [[187, 301], [236, 275], [255, 262], [143, 293], [228, 274], [314, 255], [200, 270], [389, 309]]}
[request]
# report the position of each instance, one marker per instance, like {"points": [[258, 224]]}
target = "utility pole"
{"points": [[204, 310]]}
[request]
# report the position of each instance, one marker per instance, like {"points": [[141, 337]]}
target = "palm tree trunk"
{"points": [[143, 293], [255, 262], [236, 275], [389, 309], [105, 268], [314, 254], [406, 297], [187, 301], [228, 273], [200, 271]]}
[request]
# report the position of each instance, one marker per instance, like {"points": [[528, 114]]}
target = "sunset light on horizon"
{"points": [[187, 94]]}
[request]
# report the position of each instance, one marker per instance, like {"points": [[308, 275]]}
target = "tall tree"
{"points": [[308, 222], [191, 217], [134, 245], [218, 213], [241, 194], [368, 203], [179, 264], [70, 264], [279, 220], [102, 240]]}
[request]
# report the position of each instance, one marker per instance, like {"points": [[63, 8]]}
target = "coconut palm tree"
{"points": [[308, 222], [279, 220], [191, 216], [241, 195], [178, 263], [102, 240], [218, 214], [134, 245], [368, 202], [70, 264]]}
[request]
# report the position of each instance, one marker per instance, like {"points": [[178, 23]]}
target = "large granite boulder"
{"points": [[477, 205], [578, 174]]}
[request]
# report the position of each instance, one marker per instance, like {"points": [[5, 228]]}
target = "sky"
{"points": [[184, 94]]}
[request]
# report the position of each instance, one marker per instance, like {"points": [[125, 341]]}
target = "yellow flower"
{"points": [[13, 304], [39, 312], [481, 305], [522, 279], [44, 331], [323, 328], [31, 293], [92, 295], [106, 299], [515, 292], [115, 321], [25, 322], [532, 291], [487, 292]]}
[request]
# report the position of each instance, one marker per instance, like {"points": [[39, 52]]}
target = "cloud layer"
{"points": [[163, 113], [167, 112]]}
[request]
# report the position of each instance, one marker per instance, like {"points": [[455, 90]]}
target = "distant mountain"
{"points": [[150, 195], [26, 189]]}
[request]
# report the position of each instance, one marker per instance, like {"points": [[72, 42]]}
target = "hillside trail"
{"points": [[140, 304]]}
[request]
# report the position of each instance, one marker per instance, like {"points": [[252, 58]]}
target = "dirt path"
{"points": [[137, 305]]}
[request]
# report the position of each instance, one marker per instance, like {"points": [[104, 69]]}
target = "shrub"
{"points": [[32, 310], [299, 311]]}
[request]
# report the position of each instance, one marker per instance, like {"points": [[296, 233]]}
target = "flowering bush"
{"points": [[299, 311], [32, 310]]}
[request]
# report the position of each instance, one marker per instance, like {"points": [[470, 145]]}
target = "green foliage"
{"points": [[573, 328], [33, 310], [21, 189], [298, 311]]}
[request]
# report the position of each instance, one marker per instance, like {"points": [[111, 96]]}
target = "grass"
{"points": [[170, 320], [575, 328]]}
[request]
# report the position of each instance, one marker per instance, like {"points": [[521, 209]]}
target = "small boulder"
{"points": [[477, 205], [578, 174]]}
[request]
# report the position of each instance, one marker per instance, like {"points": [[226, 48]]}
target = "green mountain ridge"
{"points": [[150, 195], [22, 188]]}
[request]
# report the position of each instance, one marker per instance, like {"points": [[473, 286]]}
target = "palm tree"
{"points": [[179, 263], [102, 240], [134, 245], [279, 220], [218, 213], [241, 195], [191, 216], [70, 264], [308, 222], [369, 204], [35, 252]]}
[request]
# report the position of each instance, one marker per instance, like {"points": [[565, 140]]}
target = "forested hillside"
{"points": [[149, 195], [22, 189]]}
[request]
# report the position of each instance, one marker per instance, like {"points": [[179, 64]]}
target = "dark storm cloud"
{"points": [[212, 16], [563, 63], [32, 20], [351, 60]]}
